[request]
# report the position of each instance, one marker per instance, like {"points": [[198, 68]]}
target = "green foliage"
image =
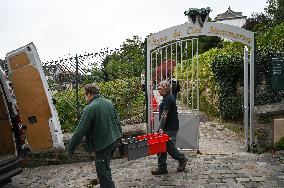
{"points": [[231, 107], [273, 16], [227, 67], [269, 44], [103, 69], [96, 76], [220, 70], [67, 108], [208, 42], [228, 72], [119, 82], [275, 10], [272, 37], [193, 12], [258, 22], [51, 84], [207, 86], [129, 62], [127, 95], [232, 47]]}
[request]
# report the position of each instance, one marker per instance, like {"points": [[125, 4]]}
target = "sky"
{"points": [[62, 27]]}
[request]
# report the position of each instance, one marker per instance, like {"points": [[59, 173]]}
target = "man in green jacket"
{"points": [[101, 128]]}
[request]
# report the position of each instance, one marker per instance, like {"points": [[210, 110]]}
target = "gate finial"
{"points": [[201, 15]]}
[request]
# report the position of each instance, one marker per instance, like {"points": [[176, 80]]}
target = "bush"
{"points": [[208, 90], [228, 72], [127, 95], [67, 108], [231, 107], [269, 44]]}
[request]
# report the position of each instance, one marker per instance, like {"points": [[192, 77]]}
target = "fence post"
{"points": [[77, 88]]}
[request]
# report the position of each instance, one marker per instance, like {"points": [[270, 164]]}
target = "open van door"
{"points": [[34, 100]]}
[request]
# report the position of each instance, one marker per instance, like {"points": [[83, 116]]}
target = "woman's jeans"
{"points": [[171, 150]]}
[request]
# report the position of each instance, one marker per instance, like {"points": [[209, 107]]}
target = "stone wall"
{"points": [[265, 115], [263, 134], [80, 155], [59, 157]]}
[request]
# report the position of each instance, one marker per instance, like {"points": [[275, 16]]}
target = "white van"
{"points": [[28, 118]]}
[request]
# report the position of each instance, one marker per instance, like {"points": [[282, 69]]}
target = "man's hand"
{"points": [[122, 149]]}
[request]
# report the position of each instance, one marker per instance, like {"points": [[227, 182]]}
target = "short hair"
{"points": [[166, 85], [92, 89]]}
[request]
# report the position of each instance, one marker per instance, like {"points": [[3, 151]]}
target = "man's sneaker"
{"points": [[182, 164], [159, 171]]}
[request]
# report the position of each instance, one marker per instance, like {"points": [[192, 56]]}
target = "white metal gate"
{"points": [[177, 62], [161, 47]]}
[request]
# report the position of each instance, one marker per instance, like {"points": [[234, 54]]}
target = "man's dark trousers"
{"points": [[171, 149], [103, 158]]}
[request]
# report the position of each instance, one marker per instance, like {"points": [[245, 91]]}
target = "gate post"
{"points": [[146, 82], [148, 89], [252, 127], [246, 107]]}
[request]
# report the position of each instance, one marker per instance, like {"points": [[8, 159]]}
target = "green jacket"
{"points": [[99, 124]]}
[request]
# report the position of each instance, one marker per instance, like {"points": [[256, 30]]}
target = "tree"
{"points": [[208, 42], [128, 62], [95, 75], [257, 22], [103, 69], [273, 15], [275, 10]]}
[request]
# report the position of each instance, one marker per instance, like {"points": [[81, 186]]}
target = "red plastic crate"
{"points": [[156, 142]]}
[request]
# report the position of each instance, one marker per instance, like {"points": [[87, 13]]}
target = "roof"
{"points": [[229, 14]]}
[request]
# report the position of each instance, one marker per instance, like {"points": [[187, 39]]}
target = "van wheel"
{"points": [[6, 182]]}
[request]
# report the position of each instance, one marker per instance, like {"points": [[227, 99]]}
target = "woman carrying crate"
{"points": [[169, 124]]}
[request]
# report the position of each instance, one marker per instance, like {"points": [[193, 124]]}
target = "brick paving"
{"points": [[223, 162]]}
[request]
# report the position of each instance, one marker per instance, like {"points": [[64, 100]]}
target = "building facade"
{"points": [[232, 18]]}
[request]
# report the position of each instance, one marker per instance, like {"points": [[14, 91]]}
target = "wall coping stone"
{"points": [[269, 109]]}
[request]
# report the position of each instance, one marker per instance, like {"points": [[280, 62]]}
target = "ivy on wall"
{"points": [[208, 91], [269, 44], [228, 72]]}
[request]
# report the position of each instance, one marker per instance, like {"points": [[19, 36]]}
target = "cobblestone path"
{"points": [[223, 162]]}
